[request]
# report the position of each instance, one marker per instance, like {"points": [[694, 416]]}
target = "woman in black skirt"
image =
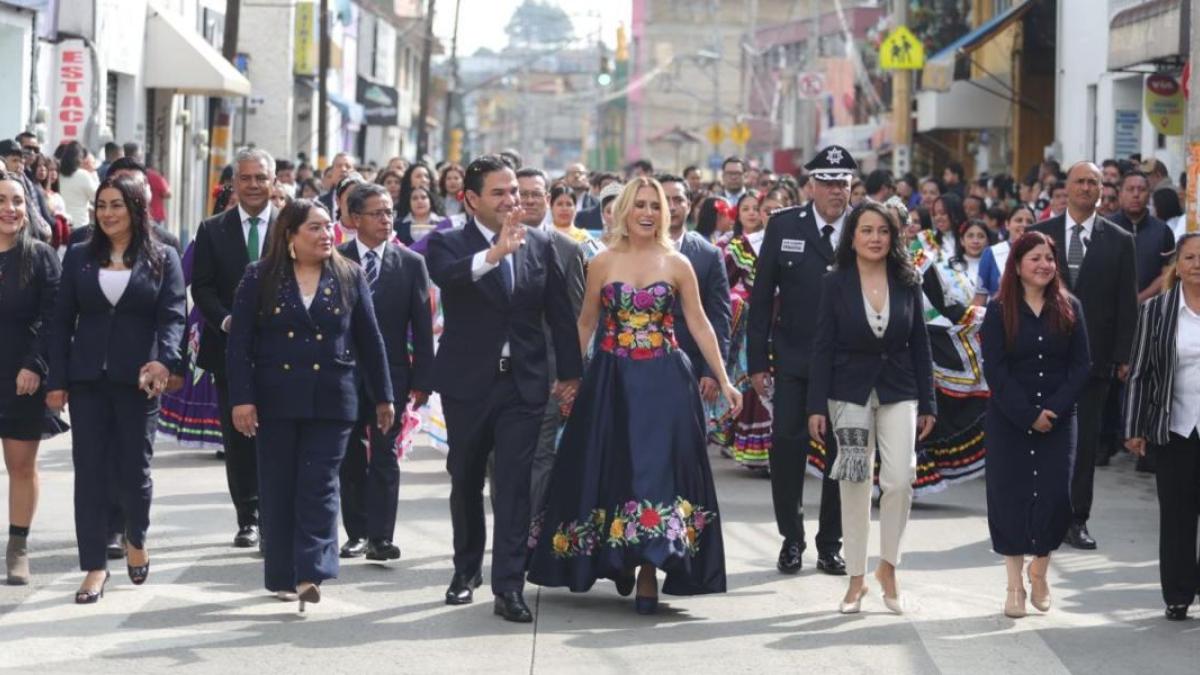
{"points": [[29, 273]]}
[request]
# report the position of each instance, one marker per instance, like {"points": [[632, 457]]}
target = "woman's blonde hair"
{"points": [[1171, 274], [623, 205]]}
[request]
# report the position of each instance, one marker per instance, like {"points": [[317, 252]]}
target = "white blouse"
{"points": [[877, 320], [113, 284], [1185, 392]]}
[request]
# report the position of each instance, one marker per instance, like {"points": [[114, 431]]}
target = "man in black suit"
{"points": [[225, 245], [535, 206], [1097, 260], [709, 266], [796, 253], [370, 472], [341, 166], [499, 280], [576, 178]]}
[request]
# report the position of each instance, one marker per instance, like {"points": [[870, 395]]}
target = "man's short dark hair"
{"points": [[599, 177], [26, 134], [955, 167], [664, 178], [111, 149], [1136, 173], [879, 179], [690, 168], [512, 158], [357, 201], [1058, 185], [730, 160], [531, 172], [1110, 162], [132, 149], [284, 165], [643, 165], [126, 163], [478, 170]]}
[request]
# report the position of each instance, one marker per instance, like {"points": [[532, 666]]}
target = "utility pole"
{"points": [[422, 128], [1193, 122], [901, 103], [233, 16], [452, 85], [811, 117], [323, 86]]}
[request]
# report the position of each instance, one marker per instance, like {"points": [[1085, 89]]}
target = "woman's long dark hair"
{"points": [[71, 157], [960, 251], [435, 201], [1057, 309], [23, 243], [441, 181], [738, 228], [1166, 204], [953, 206], [706, 217], [899, 263], [276, 264], [141, 240]]}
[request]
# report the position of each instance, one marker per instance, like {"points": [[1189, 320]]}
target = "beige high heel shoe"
{"points": [[1014, 605], [1039, 590], [856, 606]]}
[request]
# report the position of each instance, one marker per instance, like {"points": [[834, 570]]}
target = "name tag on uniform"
{"points": [[793, 245]]}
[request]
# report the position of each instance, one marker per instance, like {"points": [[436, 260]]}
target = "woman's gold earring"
{"points": [[291, 250]]}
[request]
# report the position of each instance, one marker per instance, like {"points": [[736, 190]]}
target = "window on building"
{"points": [[110, 102]]}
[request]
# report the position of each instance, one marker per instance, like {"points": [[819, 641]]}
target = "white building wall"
{"points": [[16, 44], [1082, 56], [267, 37]]}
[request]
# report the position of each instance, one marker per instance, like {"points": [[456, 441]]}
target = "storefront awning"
{"points": [[178, 58], [939, 68], [1156, 30], [352, 112]]}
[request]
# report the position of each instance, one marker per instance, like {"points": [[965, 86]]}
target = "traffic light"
{"points": [[604, 78], [454, 152]]}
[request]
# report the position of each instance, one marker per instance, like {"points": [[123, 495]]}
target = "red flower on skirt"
{"points": [[649, 519]]}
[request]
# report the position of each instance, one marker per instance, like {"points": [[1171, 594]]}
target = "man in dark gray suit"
{"points": [[535, 204], [714, 285]]}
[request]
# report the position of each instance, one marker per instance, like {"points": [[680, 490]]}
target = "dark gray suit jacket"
{"points": [[709, 266], [570, 259]]}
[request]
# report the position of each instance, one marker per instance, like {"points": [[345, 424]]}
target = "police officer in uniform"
{"points": [[796, 252]]}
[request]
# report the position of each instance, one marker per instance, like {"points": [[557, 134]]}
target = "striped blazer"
{"points": [[1147, 404]]}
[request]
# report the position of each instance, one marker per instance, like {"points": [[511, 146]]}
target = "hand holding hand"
{"points": [[709, 389], [925, 426], [245, 419], [1045, 421], [566, 390], [152, 379], [27, 382], [385, 416], [734, 397], [1123, 371], [1136, 446], [761, 383], [56, 400], [816, 427]]}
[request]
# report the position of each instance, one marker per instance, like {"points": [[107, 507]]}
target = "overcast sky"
{"points": [[482, 22]]}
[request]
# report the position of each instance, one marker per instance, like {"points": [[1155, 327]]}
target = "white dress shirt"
{"points": [[1085, 236], [756, 240], [362, 250], [1185, 392], [263, 219], [480, 266], [837, 226]]}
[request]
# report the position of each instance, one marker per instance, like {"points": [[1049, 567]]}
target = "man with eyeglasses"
{"points": [[1110, 200], [733, 180], [576, 178], [399, 282]]}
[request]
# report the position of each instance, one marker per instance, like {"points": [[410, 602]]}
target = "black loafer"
{"points": [[1079, 538], [790, 561], [246, 537], [512, 607], [1177, 612], [115, 550], [462, 587], [353, 548], [382, 549], [831, 563]]}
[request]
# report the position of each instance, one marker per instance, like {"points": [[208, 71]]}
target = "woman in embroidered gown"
{"points": [[632, 485]]}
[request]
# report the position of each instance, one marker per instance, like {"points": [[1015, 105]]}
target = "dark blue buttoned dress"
{"points": [[1029, 472]]}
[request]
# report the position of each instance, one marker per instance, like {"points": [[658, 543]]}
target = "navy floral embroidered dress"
{"points": [[631, 481]]}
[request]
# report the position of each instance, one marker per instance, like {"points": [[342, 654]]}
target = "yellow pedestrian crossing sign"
{"points": [[740, 133], [902, 51], [716, 134]]}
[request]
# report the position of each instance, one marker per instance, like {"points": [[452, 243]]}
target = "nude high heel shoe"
{"points": [[1014, 605], [1039, 590]]}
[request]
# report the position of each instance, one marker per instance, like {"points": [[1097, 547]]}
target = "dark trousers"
{"points": [[789, 458], [503, 423], [112, 440], [544, 454], [370, 480], [1083, 476], [1177, 471], [241, 460], [299, 487]]}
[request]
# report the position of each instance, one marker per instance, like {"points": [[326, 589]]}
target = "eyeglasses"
{"points": [[532, 195], [381, 213], [30, 149]]}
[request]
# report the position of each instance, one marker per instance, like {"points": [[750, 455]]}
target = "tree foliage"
{"points": [[539, 25]]}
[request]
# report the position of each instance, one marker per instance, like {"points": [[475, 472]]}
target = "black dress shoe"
{"points": [[512, 607], [790, 561], [382, 549], [246, 537], [832, 563], [1177, 612], [353, 548], [115, 550], [462, 587], [1079, 538]]}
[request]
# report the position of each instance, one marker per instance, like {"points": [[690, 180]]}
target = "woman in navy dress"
{"points": [[29, 273], [118, 323], [1035, 357], [631, 484], [303, 329]]}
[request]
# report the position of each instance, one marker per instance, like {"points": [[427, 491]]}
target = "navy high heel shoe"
{"points": [[645, 606], [86, 597]]}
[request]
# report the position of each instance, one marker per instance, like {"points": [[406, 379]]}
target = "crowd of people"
{"points": [[582, 341]]}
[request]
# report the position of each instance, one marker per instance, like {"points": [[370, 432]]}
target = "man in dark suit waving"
{"points": [[370, 472], [796, 252], [499, 281], [225, 245], [1096, 259]]}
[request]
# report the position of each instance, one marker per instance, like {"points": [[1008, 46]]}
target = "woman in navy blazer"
{"points": [[303, 325], [872, 377], [118, 323]]}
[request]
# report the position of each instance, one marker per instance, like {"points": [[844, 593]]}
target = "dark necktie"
{"points": [[371, 267], [827, 236], [1075, 253], [505, 270], [252, 238]]}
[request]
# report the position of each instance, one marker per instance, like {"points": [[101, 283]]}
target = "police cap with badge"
{"points": [[833, 163]]}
